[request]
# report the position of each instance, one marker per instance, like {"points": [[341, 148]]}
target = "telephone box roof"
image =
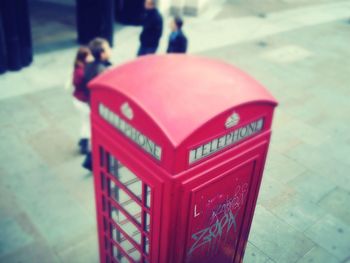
{"points": [[182, 92]]}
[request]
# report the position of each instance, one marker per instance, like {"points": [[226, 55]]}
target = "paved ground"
{"points": [[298, 49]]}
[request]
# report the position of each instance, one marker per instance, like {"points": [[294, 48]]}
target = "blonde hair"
{"points": [[97, 47]]}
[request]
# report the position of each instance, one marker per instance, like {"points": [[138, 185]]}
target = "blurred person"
{"points": [[81, 100], [177, 39], [152, 29], [101, 52]]}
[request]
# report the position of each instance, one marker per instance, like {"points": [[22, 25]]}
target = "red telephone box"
{"points": [[179, 146]]}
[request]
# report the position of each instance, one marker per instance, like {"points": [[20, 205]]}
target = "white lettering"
{"points": [[206, 149], [221, 142], [129, 131], [226, 140], [195, 211], [158, 152]]}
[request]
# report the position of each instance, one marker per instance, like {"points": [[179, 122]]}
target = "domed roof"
{"points": [[182, 92]]}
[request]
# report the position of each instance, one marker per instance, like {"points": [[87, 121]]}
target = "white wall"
{"points": [[164, 5], [189, 7]]}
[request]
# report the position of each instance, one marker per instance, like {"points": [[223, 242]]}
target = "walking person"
{"points": [[177, 39], [80, 101], [101, 51], [152, 29]]}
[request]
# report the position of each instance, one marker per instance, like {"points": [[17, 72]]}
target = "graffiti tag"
{"points": [[216, 232], [222, 219]]}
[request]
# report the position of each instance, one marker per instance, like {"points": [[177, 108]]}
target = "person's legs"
{"points": [[87, 164], [84, 112], [141, 51], [152, 50], [146, 50]]}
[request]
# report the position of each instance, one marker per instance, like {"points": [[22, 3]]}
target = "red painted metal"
{"points": [[179, 147]]}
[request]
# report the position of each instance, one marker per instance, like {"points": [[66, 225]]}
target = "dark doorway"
{"points": [[53, 25]]}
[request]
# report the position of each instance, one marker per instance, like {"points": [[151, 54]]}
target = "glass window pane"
{"points": [[135, 255], [130, 180], [125, 176], [147, 198], [117, 254], [147, 222], [128, 204], [124, 223], [146, 245], [112, 165], [128, 247]]}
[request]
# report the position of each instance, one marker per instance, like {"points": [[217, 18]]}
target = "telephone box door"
{"points": [[221, 211], [126, 208]]}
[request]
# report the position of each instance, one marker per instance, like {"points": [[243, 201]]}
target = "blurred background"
{"points": [[298, 49]]}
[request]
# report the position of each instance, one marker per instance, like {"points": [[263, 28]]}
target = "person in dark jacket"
{"points": [[151, 31], [177, 39], [101, 51]]}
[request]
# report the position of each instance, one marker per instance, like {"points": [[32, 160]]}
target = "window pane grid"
{"points": [[129, 211], [129, 229], [143, 257], [130, 239], [137, 199], [119, 254], [124, 176], [125, 201], [112, 165], [126, 191], [125, 244], [125, 235], [124, 216]]}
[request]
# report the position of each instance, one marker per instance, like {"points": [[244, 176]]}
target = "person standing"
{"points": [[152, 29], [83, 57], [101, 51], [177, 39]]}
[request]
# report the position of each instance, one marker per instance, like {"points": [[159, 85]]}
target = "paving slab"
{"points": [[336, 202], [13, 236], [35, 252], [313, 186], [272, 236], [298, 212], [333, 235], [318, 255], [254, 255], [84, 251]]}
